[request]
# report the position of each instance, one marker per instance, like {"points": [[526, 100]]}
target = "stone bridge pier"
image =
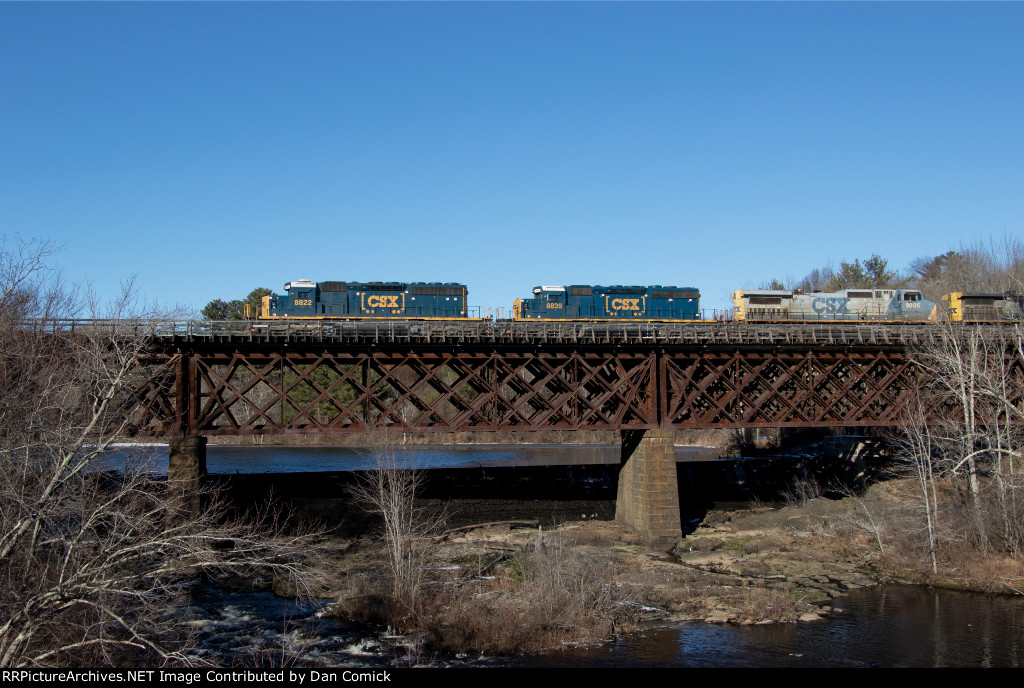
{"points": [[186, 471], [648, 491]]}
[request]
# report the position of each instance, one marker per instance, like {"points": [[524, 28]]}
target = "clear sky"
{"points": [[213, 148]]}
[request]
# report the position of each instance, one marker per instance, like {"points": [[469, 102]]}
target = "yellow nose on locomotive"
{"points": [[954, 306], [739, 305], [517, 309]]}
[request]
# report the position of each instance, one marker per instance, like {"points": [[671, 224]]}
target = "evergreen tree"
{"points": [[255, 300], [218, 309]]}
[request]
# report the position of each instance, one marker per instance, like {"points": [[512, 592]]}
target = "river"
{"points": [[884, 626], [231, 459]]}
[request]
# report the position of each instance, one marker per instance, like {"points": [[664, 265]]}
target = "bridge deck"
{"points": [[257, 377], [560, 333], [838, 333]]}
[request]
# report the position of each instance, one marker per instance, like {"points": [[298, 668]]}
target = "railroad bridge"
{"points": [[643, 380]]}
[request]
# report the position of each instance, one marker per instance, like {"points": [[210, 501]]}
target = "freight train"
{"points": [[448, 301], [887, 305]]}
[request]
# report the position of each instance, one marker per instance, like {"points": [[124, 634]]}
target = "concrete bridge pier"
{"points": [[648, 492], [186, 471]]}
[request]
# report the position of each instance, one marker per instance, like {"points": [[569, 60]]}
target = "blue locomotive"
{"points": [[585, 302], [386, 300]]}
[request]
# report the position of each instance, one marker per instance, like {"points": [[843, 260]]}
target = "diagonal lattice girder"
{"points": [[793, 388], [155, 400], [519, 387], [233, 392]]}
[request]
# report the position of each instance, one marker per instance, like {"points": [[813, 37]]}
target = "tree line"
{"points": [[996, 267], [960, 438]]}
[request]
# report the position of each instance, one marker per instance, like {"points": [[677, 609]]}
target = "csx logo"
{"points": [[829, 305], [625, 304], [382, 301]]}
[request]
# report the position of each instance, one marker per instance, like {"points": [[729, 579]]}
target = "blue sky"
{"points": [[213, 148]]}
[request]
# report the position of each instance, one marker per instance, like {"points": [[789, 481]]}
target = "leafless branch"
{"points": [[95, 560]]}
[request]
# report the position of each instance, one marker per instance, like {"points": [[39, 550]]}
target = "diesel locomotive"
{"points": [[767, 305], [984, 306], [368, 300], [448, 301], [615, 303]]}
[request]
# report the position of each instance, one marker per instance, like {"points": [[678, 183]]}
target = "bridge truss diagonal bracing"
{"points": [[225, 389], [356, 390], [744, 388]]}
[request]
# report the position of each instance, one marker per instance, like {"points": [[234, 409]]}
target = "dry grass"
{"points": [[762, 603], [963, 560], [540, 598]]}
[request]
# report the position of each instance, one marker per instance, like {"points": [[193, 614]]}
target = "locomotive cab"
{"points": [[911, 304], [547, 302], [300, 299]]}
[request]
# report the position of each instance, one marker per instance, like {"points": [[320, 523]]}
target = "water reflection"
{"points": [[888, 626], [228, 460]]}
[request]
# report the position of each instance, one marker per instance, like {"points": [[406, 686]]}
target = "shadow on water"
{"points": [[478, 483]]}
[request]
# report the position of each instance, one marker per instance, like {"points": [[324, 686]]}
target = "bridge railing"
{"points": [[509, 332]]}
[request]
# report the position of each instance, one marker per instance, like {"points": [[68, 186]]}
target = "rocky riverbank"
{"points": [[519, 587]]}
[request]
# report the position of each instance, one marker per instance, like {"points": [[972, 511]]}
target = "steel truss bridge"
{"points": [[241, 378]]}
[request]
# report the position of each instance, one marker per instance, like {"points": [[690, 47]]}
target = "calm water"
{"points": [[226, 460], [887, 626]]}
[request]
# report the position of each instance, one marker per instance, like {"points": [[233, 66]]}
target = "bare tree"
{"points": [[914, 445], [992, 266], [94, 559], [972, 439], [389, 491]]}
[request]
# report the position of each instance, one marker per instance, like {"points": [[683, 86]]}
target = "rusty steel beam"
{"points": [[215, 392], [223, 389], [742, 388]]}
